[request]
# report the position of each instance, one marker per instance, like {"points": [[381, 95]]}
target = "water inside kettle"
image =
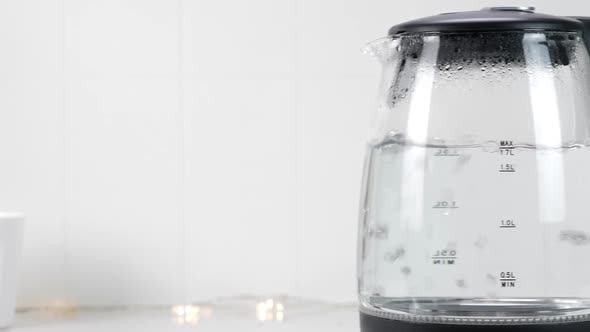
{"points": [[447, 225]]}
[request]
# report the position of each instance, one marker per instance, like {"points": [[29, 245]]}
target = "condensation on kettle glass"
{"points": [[475, 207]]}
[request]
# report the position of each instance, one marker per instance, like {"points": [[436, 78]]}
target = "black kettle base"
{"points": [[376, 324]]}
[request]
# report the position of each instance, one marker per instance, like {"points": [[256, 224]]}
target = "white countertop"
{"points": [[242, 316]]}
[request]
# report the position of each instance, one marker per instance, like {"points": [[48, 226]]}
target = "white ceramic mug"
{"points": [[11, 239]]}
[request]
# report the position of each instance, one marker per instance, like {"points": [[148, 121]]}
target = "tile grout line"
{"points": [[64, 115], [182, 169], [297, 147]]}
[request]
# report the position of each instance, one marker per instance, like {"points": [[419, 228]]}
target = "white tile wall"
{"points": [[169, 151], [241, 187]]}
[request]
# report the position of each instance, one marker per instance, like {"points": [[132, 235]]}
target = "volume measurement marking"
{"points": [[444, 261], [449, 257], [507, 280], [507, 148], [446, 153], [507, 168], [444, 257], [507, 223], [445, 205]]}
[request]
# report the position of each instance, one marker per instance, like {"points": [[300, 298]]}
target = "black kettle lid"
{"points": [[490, 19]]}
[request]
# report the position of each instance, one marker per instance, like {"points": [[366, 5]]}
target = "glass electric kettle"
{"points": [[475, 213]]}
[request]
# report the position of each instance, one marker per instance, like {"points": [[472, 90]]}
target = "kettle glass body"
{"points": [[476, 191]]}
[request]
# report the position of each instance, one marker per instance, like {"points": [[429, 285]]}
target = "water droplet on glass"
{"points": [[395, 137], [380, 232]]}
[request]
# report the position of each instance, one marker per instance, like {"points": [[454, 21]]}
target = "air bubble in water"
{"points": [[481, 242], [462, 161], [406, 270], [395, 255], [575, 237]]}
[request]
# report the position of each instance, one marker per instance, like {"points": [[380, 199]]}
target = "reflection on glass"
{"points": [[187, 314], [546, 120], [61, 309], [270, 310], [417, 134]]}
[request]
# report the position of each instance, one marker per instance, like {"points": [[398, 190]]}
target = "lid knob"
{"points": [[512, 9]]}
